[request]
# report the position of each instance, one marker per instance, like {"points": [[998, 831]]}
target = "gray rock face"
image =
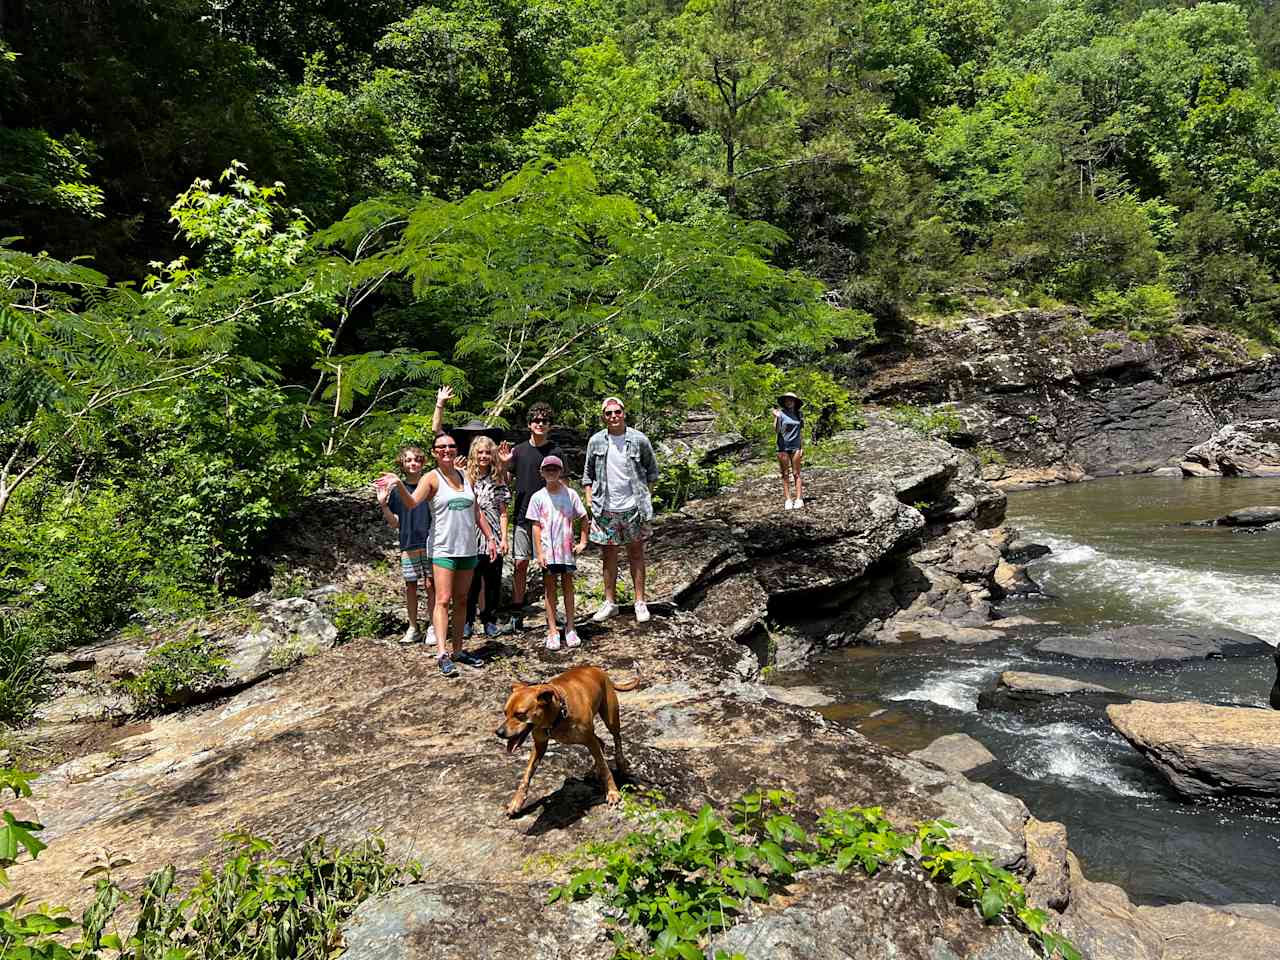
{"points": [[474, 921], [957, 752], [839, 917], [1062, 401], [1247, 449], [283, 633], [1016, 690], [1156, 644], [1203, 750]]}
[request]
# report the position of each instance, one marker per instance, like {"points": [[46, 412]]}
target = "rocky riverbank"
{"points": [[366, 738], [1057, 400]]}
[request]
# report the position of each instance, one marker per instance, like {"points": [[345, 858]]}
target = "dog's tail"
{"points": [[624, 687]]}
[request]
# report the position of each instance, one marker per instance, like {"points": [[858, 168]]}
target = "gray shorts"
{"points": [[522, 547]]}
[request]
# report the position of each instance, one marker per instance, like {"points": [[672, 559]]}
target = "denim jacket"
{"points": [[643, 465]]}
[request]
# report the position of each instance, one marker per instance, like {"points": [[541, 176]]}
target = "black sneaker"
{"points": [[446, 665], [470, 659]]}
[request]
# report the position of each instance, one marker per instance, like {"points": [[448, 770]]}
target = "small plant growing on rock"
{"points": [[177, 672], [930, 421], [683, 479], [989, 456], [358, 615]]}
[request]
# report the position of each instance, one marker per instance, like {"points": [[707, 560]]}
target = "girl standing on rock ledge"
{"points": [[788, 422]]}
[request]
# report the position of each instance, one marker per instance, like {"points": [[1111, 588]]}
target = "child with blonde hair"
{"points": [[487, 474]]}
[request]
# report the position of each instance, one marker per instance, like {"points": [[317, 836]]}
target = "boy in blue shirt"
{"points": [[414, 525]]}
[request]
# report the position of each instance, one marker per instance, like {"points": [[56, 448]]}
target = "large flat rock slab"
{"points": [[370, 740], [1157, 644], [1203, 750]]}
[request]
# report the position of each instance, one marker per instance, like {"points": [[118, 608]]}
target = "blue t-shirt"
{"points": [[415, 524]]}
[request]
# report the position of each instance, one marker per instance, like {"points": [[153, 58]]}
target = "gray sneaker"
{"points": [[446, 665], [412, 635]]}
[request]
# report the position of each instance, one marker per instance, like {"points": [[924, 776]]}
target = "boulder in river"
{"points": [[1250, 517], [957, 752], [1016, 690], [1247, 449], [1157, 644], [1204, 750]]}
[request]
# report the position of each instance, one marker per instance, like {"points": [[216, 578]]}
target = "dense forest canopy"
{"points": [[248, 239]]}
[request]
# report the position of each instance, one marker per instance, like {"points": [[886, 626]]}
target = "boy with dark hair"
{"points": [[524, 466]]}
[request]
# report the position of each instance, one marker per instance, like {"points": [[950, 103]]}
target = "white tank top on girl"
{"points": [[453, 519]]}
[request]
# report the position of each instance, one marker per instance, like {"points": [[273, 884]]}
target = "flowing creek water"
{"points": [[1120, 556]]}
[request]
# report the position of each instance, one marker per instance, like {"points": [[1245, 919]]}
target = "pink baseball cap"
{"points": [[552, 461]]}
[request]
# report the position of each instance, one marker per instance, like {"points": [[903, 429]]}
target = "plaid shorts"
{"points": [[415, 565], [615, 527]]}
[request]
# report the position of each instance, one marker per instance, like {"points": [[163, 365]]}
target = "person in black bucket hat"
{"points": [[464, 434], [788, 425]]}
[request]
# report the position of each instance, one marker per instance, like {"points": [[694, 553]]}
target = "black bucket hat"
{"points": [[473, 428], [798, 400]]}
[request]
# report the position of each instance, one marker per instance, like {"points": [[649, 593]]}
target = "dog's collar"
{"points": [[560, 702]]}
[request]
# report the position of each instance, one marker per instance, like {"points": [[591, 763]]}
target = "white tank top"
{"points": [[453, 519]]}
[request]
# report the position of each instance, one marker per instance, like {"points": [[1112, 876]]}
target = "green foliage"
{"points": [[258, 904], [744, 393], [989, 456], [25, 679], [681, 878], [1150, 309], [936, 421], [681, 479], [175, 672], [358, 615]]}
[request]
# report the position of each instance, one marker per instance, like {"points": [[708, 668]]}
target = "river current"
{"points": [[1121, 555]]}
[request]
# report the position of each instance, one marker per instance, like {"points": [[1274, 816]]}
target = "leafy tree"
{"points": [[559, 278]]}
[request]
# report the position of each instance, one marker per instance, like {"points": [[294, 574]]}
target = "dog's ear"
{"points": [[546, 696], [518, 685]]}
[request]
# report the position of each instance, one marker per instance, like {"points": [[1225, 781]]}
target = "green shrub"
{"points": [[681, 479], [177, 671], [25, 680], [357, 615], [682, 877], [1151, 308], [930, 421], [989, 456]]}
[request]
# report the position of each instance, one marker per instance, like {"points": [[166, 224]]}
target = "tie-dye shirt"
{"points": [[555, 513]]}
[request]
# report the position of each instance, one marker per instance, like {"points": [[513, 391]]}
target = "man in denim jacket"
{"points": [[620, 466]]}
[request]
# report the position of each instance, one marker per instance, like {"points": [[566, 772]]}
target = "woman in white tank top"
{"points": [[455, 518]]}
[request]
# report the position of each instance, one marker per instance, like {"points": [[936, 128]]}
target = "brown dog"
{"points": [[565, 708]]}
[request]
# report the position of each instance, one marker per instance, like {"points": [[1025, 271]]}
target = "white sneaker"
{"points": [[799, 502], [412, 635], [607, 610], [431, 634], [553, 641], [571, 639], [642, 612], [789, 505]]}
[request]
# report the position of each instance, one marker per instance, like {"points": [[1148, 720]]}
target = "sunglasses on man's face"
{"points": [[540, 420], [613, 413]]}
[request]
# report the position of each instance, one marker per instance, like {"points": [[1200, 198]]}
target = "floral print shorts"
{"points": [[616, 527]]}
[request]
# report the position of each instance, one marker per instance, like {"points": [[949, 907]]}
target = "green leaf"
{"points": [[19, 833], [992, 903]]}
